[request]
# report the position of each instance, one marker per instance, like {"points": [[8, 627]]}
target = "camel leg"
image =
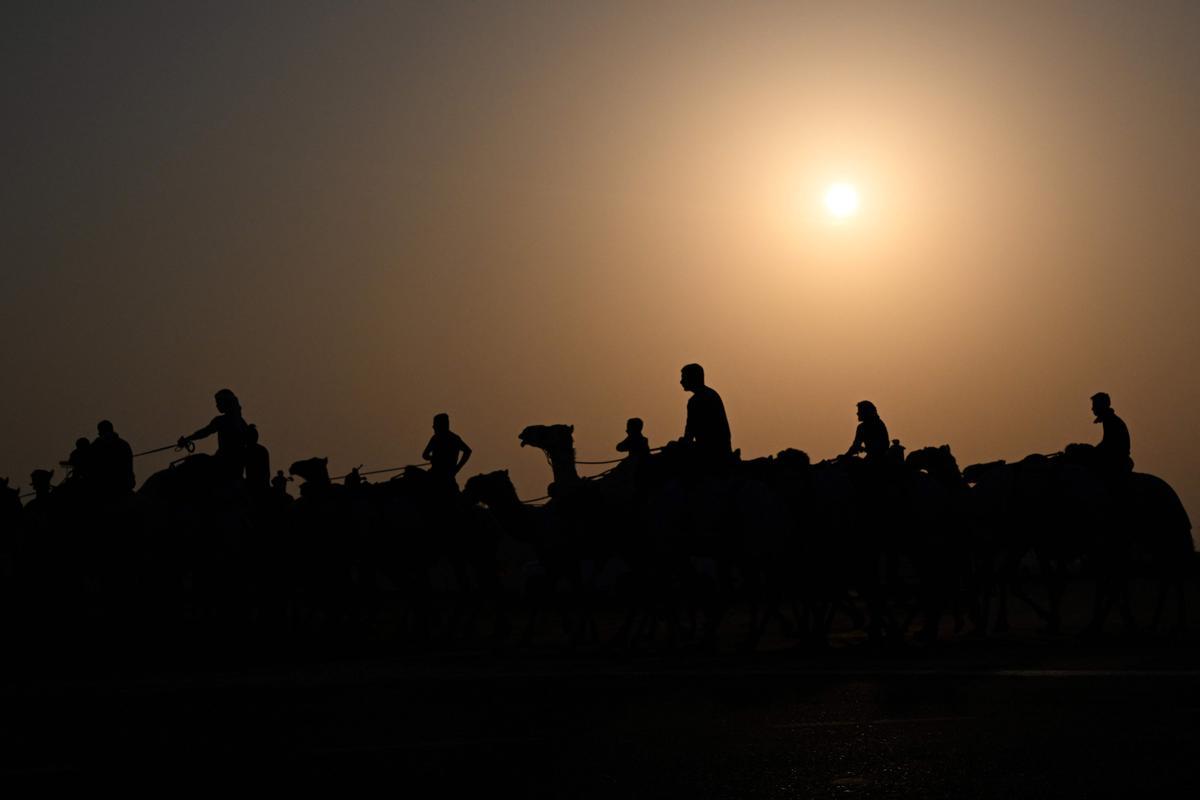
{"points": [[1105, 599], [771, 610], [493, 599], [625, 630], [822, 623], [1127, 608], [674, 628], [1056, 588], [1044, 612], [764, 607], [987, 591], [1181, 586], [1160, 603], [537, 595], [1003, 590], [933, 614], [803, 621]]}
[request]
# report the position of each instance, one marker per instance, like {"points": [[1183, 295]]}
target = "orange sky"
{"points": [[535, 213]]}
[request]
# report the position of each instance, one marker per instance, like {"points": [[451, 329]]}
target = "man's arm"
{"points": [[857, 445], [206, 431], [466, 456], [427, 453]]}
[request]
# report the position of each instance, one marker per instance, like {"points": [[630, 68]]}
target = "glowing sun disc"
{"points": [[842, 200]]}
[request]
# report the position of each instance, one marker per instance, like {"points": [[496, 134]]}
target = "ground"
{"points": [[1026, 714]]}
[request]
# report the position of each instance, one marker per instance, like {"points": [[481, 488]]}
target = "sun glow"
{"points": [[841, 200]]}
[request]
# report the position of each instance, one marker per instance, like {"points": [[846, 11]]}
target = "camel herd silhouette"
{"points": [[673, 544]]}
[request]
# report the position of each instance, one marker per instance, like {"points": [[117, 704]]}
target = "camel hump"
{"points": [[793, 458], [1162, 500], [974, 471]]}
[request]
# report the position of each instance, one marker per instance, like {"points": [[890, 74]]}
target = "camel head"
{"points": [[558, 443], [553, 439], [311, 470], [490, 489]]}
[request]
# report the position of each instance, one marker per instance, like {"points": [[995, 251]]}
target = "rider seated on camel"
{"points": [[877, 469], [446, 452], [40, 479], [634, 442], [638, 448], [80, 463], [231, 433], [871, 435], [1112, 454], [707, 430]]}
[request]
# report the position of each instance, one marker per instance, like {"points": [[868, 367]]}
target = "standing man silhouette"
{"points": [[707, 429], [1112, 453], [446, 452]]}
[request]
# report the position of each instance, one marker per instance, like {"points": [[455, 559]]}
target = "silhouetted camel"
{"points": [[676, 515], [559, 554], [400, 531], [1062, 509]]}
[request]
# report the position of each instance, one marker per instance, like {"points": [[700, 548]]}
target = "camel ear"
{"points": [[571, 428], [945, 448], [505, 472], [325, 460]]}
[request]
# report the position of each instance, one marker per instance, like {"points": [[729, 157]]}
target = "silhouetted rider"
{"points": [[446, 452], [231, 432], [80, 462], [634, 443], [40, 479], [707, 429], [111, 462], [871, 435], [1112, 454]]}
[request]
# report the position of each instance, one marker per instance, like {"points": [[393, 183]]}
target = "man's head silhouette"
{"points": [[227, 401], [867, 410], [1101, 404], [441, 423], [104, 428], [691, 377]]}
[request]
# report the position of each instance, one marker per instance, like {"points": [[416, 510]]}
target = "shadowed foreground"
{"points": [[1029, 715]]}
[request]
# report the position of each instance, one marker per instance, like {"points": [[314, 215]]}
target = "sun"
{"points": [[841, 200]]}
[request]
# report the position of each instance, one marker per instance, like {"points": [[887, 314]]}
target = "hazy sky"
{"points": [[356, 215]]}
